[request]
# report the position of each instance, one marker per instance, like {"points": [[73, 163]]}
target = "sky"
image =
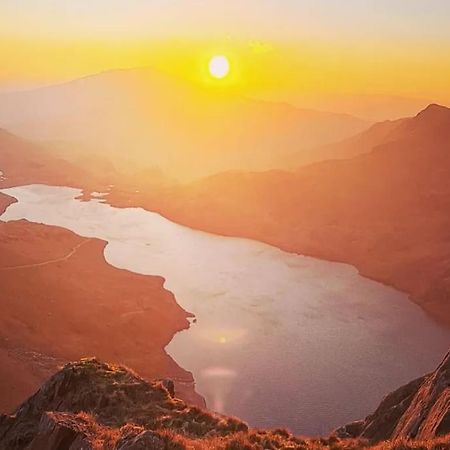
{"points": [[293, 47]]}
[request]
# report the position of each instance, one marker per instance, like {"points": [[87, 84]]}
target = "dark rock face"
{"points": [[170, 386], [145, 440], [90, 400], [418, 410], [112, 393], [428, 413], [61, 431]]}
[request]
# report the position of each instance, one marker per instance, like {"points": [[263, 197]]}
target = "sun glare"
{"points": [[219, 66]]}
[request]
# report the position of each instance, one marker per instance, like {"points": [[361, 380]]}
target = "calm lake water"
{"points": [[279, 339]]}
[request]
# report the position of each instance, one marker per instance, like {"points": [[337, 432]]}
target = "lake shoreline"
{"points": [[32, 360], [122, 199], [63, 173], [183, 344]]}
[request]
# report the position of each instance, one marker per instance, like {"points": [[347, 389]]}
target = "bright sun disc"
{"points": [[219, 66]]}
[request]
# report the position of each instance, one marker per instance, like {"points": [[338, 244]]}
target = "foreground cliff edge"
{"points": [[93, 405]]}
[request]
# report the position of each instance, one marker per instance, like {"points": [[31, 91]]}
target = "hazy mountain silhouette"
{"points": [[373, 107], [428, 122], [142, 118]]}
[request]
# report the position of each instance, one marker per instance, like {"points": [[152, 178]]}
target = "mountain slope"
{"points": [[380, 134], [53, 309], [418, 410], [25, 162], [386, 212], [141, 118], [364, 142], [93, 405]]}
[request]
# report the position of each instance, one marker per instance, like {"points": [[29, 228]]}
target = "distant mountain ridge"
{"points": [[140, 118], [23, 161], [428, 123]]}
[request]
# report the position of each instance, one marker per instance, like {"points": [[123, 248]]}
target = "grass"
{"points": [[108, 438], [108, 405]]}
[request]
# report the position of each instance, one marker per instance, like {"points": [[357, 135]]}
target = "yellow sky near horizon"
{"points": [[262, 65], [302, 48]]}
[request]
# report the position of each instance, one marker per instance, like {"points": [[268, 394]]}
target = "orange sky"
{"points": [[284, 49]]}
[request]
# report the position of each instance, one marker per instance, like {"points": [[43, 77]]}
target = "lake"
{"points": [[279, 339]]}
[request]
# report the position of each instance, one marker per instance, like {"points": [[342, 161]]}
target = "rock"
{"points": [[143, 441], [90, 405], [417, 410], [428, 413], [61, 431], [170, 386], [89, 400], [350, 430]]}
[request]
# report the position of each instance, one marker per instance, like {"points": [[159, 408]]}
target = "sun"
{"points": [[219, 66]]}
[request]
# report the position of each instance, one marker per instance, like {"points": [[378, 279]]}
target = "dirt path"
{"points": [[50, 261]]}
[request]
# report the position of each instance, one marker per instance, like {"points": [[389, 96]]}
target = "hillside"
{"points": [[381, 133], [55, 310], [93, 405], [142, 119], [363, 142], [385, 212], [25, 162]]}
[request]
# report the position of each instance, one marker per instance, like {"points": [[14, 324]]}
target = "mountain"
{"points": [[362, 142], [140, 118], [375, 107], [91, 405], [25, 162], [431, 120], [418, 410], [385, 211]]}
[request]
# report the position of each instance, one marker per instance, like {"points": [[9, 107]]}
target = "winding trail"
{"points": [[50, 261]]}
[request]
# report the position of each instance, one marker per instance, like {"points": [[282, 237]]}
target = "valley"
{"points": [[335, 210]]}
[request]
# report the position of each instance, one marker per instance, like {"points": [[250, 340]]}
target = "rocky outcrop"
{"points": [[90, 405], [90, 398], [62, 431], [418, 410], [428, 413]]}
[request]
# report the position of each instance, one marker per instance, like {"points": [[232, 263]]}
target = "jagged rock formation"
{"points": [[90, 405], [114, 395], [418, 410]]}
